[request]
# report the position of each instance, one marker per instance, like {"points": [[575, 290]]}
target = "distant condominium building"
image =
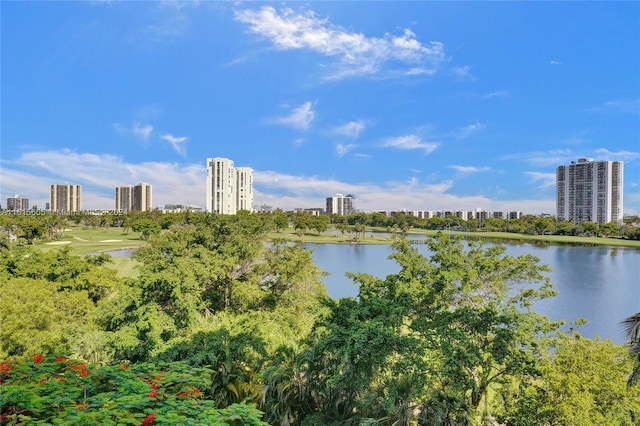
{"points": [[229, 188], [134, 198], [341, 205], [590, 191], [65, 198], [17, 203], [244, 188]]}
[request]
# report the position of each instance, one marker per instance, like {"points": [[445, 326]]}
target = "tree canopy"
{"points": [[216, 307]]}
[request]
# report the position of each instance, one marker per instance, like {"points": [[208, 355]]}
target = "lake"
{"points": [[600, 283]]}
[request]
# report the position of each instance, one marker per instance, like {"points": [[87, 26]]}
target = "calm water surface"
{"points": [[600, 284]]}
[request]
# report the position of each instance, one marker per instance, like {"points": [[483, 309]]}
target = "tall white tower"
{"points": [[244, 188], [590, 191], [220, 186]]}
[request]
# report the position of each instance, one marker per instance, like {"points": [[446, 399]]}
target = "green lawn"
{"points": [[84, 240], [125, 266]]}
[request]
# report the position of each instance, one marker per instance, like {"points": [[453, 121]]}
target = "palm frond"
{"points": [[632, 330]]}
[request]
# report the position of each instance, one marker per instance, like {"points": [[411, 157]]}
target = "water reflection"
{"points": [[597, 283]]}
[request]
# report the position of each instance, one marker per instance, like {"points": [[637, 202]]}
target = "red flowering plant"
{"points": [[60, 390]]}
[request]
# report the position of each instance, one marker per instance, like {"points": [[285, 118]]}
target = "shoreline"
{"points": [[372, 239]]}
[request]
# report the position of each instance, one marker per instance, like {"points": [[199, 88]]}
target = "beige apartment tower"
{"points": [[229, 188], [65, 198], [590, 191], [17, 203], [134, 198]]}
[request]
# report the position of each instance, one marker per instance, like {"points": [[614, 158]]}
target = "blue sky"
{"points": [[406, 105]]}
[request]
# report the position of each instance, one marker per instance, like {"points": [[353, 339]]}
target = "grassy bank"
{"points": [[379, 236], [84, 240]]}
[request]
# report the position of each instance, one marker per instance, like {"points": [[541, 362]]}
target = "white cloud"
{"points": [[300, 118], [552, 62], [408, 142], [469, 169], [354, 53], [176, 142], [545, 180], [351, 129], [343, 149]]}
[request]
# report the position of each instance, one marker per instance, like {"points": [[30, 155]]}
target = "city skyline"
{"points": [[410, 106]]}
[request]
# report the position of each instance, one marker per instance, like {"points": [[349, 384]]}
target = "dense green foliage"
{"points": [[222, 326]]}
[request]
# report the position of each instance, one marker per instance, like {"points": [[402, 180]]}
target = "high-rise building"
{"points": [[17, 203], [244, 188], [134, 198], [590, 191], [229, 189], [65, 198], [341, 205]]}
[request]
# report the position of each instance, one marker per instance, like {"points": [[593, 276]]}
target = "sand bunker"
{"points": [[110, 241], [57, 243]]}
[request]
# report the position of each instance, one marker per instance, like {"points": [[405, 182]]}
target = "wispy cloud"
{"points": [[627, 106], [142, 132], [343, 149], [469, 169], [552, 157], [558, 157], [470, 129], [545, 180], [463, 72], [606, 155], [497, 94], [139, 131], [178, 143], [351, 129], [179, 4], [354, 53], [409, 142], [552, 62], [300, 117]]}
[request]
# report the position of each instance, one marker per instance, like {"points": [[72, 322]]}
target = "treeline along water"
{"points": [[600, 284]]}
